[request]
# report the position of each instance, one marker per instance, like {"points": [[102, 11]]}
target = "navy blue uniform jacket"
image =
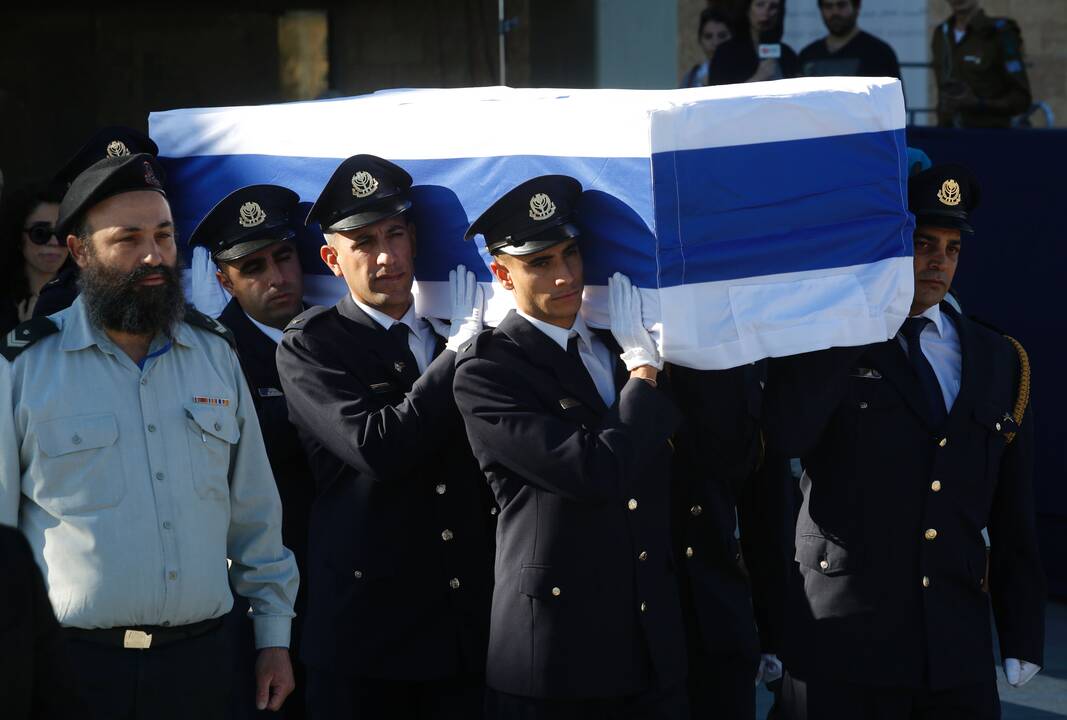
{"points": [[400, 553], [890, 501], [586, 601]]}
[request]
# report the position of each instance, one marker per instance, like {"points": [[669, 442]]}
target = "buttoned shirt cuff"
{"points": [[271, 630]]}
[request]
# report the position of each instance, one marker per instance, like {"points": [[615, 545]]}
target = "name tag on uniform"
{"points": [[568, 403], [975, 59], [216, 401], [869, 373], [270, 392]]}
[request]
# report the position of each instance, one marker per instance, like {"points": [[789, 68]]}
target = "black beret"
{"points": [[530, 217], [362, 190], [107, 178], [943, 195], [113, 141], [248, 220]]}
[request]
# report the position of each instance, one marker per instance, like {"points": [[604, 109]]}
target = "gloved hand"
{"points": [[770, 669], [1019, 672], [468, 301], [637, 345]]}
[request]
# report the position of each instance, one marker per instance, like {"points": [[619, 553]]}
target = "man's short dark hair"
{"points": [[712, 14]]}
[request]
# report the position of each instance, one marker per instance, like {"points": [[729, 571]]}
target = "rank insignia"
{"points": [[117, 148]]}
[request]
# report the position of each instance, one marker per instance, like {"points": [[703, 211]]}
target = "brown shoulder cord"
{"points": [[1024, 386]]}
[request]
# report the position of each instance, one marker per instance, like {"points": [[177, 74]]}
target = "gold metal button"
{"points": [[454, 583], [824, 564], [440, 489], [943, 443], [936, 486], [555, 592], [644, 607], [493, 511], [632, 504], [689, 552], [930, 534], [696, 510], [926, 581], [447, 535], [997, 426], [642, 556], [357, 574], [863, 406]]}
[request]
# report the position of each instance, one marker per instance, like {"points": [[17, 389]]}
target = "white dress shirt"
{"points": [[422, 340], [941, 345], [595, 354], [273, 333]]}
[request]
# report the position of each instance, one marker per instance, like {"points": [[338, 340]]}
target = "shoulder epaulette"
{"points": [[301, 320], [26, 334], [470, 348], [205, 322]]}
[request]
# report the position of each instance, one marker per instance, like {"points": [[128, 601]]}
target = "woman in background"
{"points": [[760, 27], [713, 30], [32, 252]]}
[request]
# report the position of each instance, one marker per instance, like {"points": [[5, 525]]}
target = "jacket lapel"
{"points": [[544, 352], [618, 369], [374, 338], [893, 362], [972, 366]]}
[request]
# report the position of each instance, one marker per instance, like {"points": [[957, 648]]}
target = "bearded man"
{"points": [[133, 463]]}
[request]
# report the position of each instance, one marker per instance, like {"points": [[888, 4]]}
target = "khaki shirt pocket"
{"points": [[79, 468], [212, 435]]}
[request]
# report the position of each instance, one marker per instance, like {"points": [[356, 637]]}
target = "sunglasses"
{"points": [[40, 233]]}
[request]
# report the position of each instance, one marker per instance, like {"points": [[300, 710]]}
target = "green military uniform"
{"points": [[988, 60]]}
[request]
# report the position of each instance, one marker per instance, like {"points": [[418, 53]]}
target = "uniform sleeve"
{"points": [[1016, 98], [10, 470], [263, 570], [382, 443], [507, 422], [1016, 578]]}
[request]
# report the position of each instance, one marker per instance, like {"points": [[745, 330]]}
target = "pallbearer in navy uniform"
{"points": [[575, 443], [250, 234], [911, 447], [400, 548]]}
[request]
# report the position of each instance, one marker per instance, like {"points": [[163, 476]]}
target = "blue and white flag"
{"points": [[759, 220]]}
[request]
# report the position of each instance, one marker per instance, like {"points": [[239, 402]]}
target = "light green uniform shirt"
{"points": [[134, 486]]}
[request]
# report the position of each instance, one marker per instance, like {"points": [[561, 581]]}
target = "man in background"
{"points": [[847, 50]]}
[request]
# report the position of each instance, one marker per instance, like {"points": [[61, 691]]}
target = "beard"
{"points": [[841, 26], [115, 301]]}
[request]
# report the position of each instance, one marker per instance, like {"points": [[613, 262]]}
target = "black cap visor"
{"points": [[247, 247], [390, 207], [536, 243], [955, 220]]}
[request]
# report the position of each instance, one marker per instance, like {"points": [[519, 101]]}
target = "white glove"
{"points": [[637, 345], [1019, 672], [468, 301], [770, 669]]}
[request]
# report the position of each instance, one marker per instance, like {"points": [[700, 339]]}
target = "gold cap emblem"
{"points": [[364, 184], [949, 194], [117, 148], [251, 215], [542, 207]]}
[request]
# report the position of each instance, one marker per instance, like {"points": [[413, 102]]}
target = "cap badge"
{"points": [[364, 184], [542, 207], [949, 194], [251, 215], [150, 175], [117, 148]]}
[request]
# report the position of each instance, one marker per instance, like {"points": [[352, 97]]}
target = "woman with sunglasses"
{"points": [[33, 253]]}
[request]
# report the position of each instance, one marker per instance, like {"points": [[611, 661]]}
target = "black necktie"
{"points": [[572, 349], [924, 371], [408, 367]]}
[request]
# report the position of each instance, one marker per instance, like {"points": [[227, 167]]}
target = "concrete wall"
{"points": [[637, 44]]}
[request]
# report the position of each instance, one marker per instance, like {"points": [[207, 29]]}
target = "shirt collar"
{"points": [[561, 335], [79, 332], [273, 333], [933, 313], [410, 318]]}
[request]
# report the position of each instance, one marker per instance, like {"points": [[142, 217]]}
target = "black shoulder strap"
{"points": [[301, 320], [26, 334], [198, 319]]}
